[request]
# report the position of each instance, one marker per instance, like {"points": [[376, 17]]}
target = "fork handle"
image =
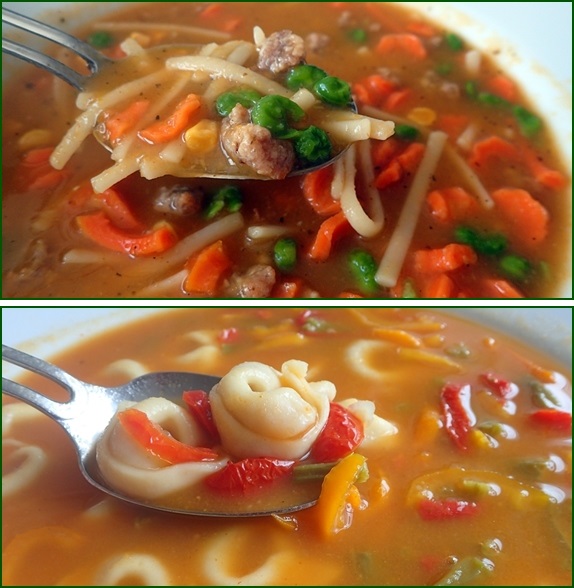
{"points": [[54, 409]]}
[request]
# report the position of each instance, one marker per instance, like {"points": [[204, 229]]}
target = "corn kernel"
{"points": [[34, 139], [202, 137], [422, 115]]}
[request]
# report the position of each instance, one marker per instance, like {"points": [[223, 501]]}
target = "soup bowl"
{"points": [[422, 480], [541, 68]]}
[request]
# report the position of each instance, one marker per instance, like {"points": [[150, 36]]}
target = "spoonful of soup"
{"points": [[236, 110], [257, 441]]}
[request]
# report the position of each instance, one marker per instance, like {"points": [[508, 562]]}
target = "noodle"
{"points": [[200, 32], [148, 569], [34, 460]]}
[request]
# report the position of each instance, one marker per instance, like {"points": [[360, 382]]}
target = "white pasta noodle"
{"points": [[147, 568], [131, 469], [216, 563], [204, 357], [347, 126], [18, 412], [394, 257], [376, 429], [199, 32], [130, 368], [260, 411], [359, 357], [32, 461], [366, 224]]}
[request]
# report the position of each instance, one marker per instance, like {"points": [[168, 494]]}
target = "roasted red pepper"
{"points": [[433, 509], [499, 386], [558, 420], [197, 402], [458, 416], [249, 474], [342, 434]]}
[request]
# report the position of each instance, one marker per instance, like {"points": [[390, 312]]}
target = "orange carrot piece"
{"points": [[117, 125], [411, 157], [438, 286], [117, 210], [291, 288], [36, 173], [317, 192], [373, 90], [453, 124], [99, 228], [383, 152], [330, 231], [36, 157], [502, 86], [550, 178], [167, 130], [446, 259], [493, 288], [492, 147], [391, 174], [398, 99], [206, 270], [527, 218], [422, 29], [452, 204], [406, 43]]}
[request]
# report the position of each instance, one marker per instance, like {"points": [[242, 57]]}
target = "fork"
{"points": [[92, 57]]}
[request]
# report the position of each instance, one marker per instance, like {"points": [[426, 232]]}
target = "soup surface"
{"points": [[474, 489], [484, 215]]}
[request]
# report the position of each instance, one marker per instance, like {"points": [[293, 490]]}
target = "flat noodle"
{"points": [[32, 461], [146, 568], [394, 257], [129, 27]]}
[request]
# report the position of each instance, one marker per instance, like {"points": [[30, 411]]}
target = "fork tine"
{"points": [[54, 66]]}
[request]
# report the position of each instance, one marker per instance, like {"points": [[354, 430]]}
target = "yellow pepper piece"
{"points": [[34, 139], [429, 358], [398, 336], [202, 137], [337, 491]]}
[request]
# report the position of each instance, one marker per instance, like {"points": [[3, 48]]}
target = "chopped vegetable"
{"points": [[359, 36], [159, 442], [466, 571], [197, 402], [405, 43], [304, 76], [515, 267], [171, 128], [364, 269], [228, 198], [247, 97], [317, 192], [501, 387], [333, 91], [485, 244], [528, 123], [119, 124], [101, 39], [312, 146], [454, 42], [207, 269], [457, 413], [329, 232], [447, 259], [554, 420], [433, 509], [285, 254], [276, 113], [406, 132]]}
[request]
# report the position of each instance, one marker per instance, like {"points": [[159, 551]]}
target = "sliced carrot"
{"points": [[390, 175], [207, 269], [290, 288], [446, 259], [169, 129], [398, 99], [99, 228], [526, 217], [350, 295], [119, 124], [503, 87], [439, 286], [493, 288], [329, 232], [35, 172], [411, 157], [383, 152], [405, 43], [406, 162], [550, 178], [452, 204], [317, 192], [422, 29], [453, 124], [484, 151]]}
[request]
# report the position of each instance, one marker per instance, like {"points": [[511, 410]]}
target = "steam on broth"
{"points": [[467, 199], [474, 485]]}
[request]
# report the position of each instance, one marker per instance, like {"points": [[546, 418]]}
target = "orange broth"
{"points": [[58, 530], [423, 84]]}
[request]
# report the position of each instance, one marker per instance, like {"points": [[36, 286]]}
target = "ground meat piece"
{"points": [[254, 146], [315, 42], [280, 51], [179, 200], [257, 282]]}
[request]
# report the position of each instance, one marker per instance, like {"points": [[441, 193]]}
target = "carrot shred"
{"points": [[411, 157], [492, 147], [317, 192], [404, 163], [99, 228], [206, 270], [118, 124], [452, 204], [453, 124], [398, 99], [446, 259], [422, 29], [502, 86], [330, 231], [550, 178], [169, 129], [438, 286], [383, 152], [118, 211], [494, 288], [526, 217], [34, 172], [406, 43]]}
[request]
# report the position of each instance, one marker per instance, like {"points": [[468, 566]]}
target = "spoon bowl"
{"points": [[90, 409]]}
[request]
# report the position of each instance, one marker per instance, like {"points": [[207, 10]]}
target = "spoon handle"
{"points": [[57, 410]]}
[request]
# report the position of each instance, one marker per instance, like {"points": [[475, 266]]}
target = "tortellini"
{"points": [[130, 468], [261, 412]]}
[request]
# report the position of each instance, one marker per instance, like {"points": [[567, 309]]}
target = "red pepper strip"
{"points": [[197, 402], [158, 442], [432, 509], [499, 386], [342, 434], [99, 228], [559, 420], [228, 336], [249, 474], [458, 416]]}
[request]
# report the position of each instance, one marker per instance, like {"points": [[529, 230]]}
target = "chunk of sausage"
{"points": [[255, 147], [257, 282], [179, 201], [280, 51]]}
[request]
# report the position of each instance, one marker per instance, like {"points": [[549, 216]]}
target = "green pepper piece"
{"points": [[228, 197], [489, 244], [454, 42], [528, 123], [516, 267], [406, 132], [466, 571]]}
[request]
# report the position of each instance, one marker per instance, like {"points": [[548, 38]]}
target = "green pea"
{"points": [[312, 146], [304, 76], [225, 103], [364, 269], [276, 113], [101, 40], [333, 91], [285, 254]]}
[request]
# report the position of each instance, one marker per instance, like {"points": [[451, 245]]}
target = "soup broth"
{"points": [[496, 511], [491, 221]]}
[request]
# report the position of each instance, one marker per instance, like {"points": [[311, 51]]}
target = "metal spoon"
{"points": [[220, 168], [90, 409]]}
